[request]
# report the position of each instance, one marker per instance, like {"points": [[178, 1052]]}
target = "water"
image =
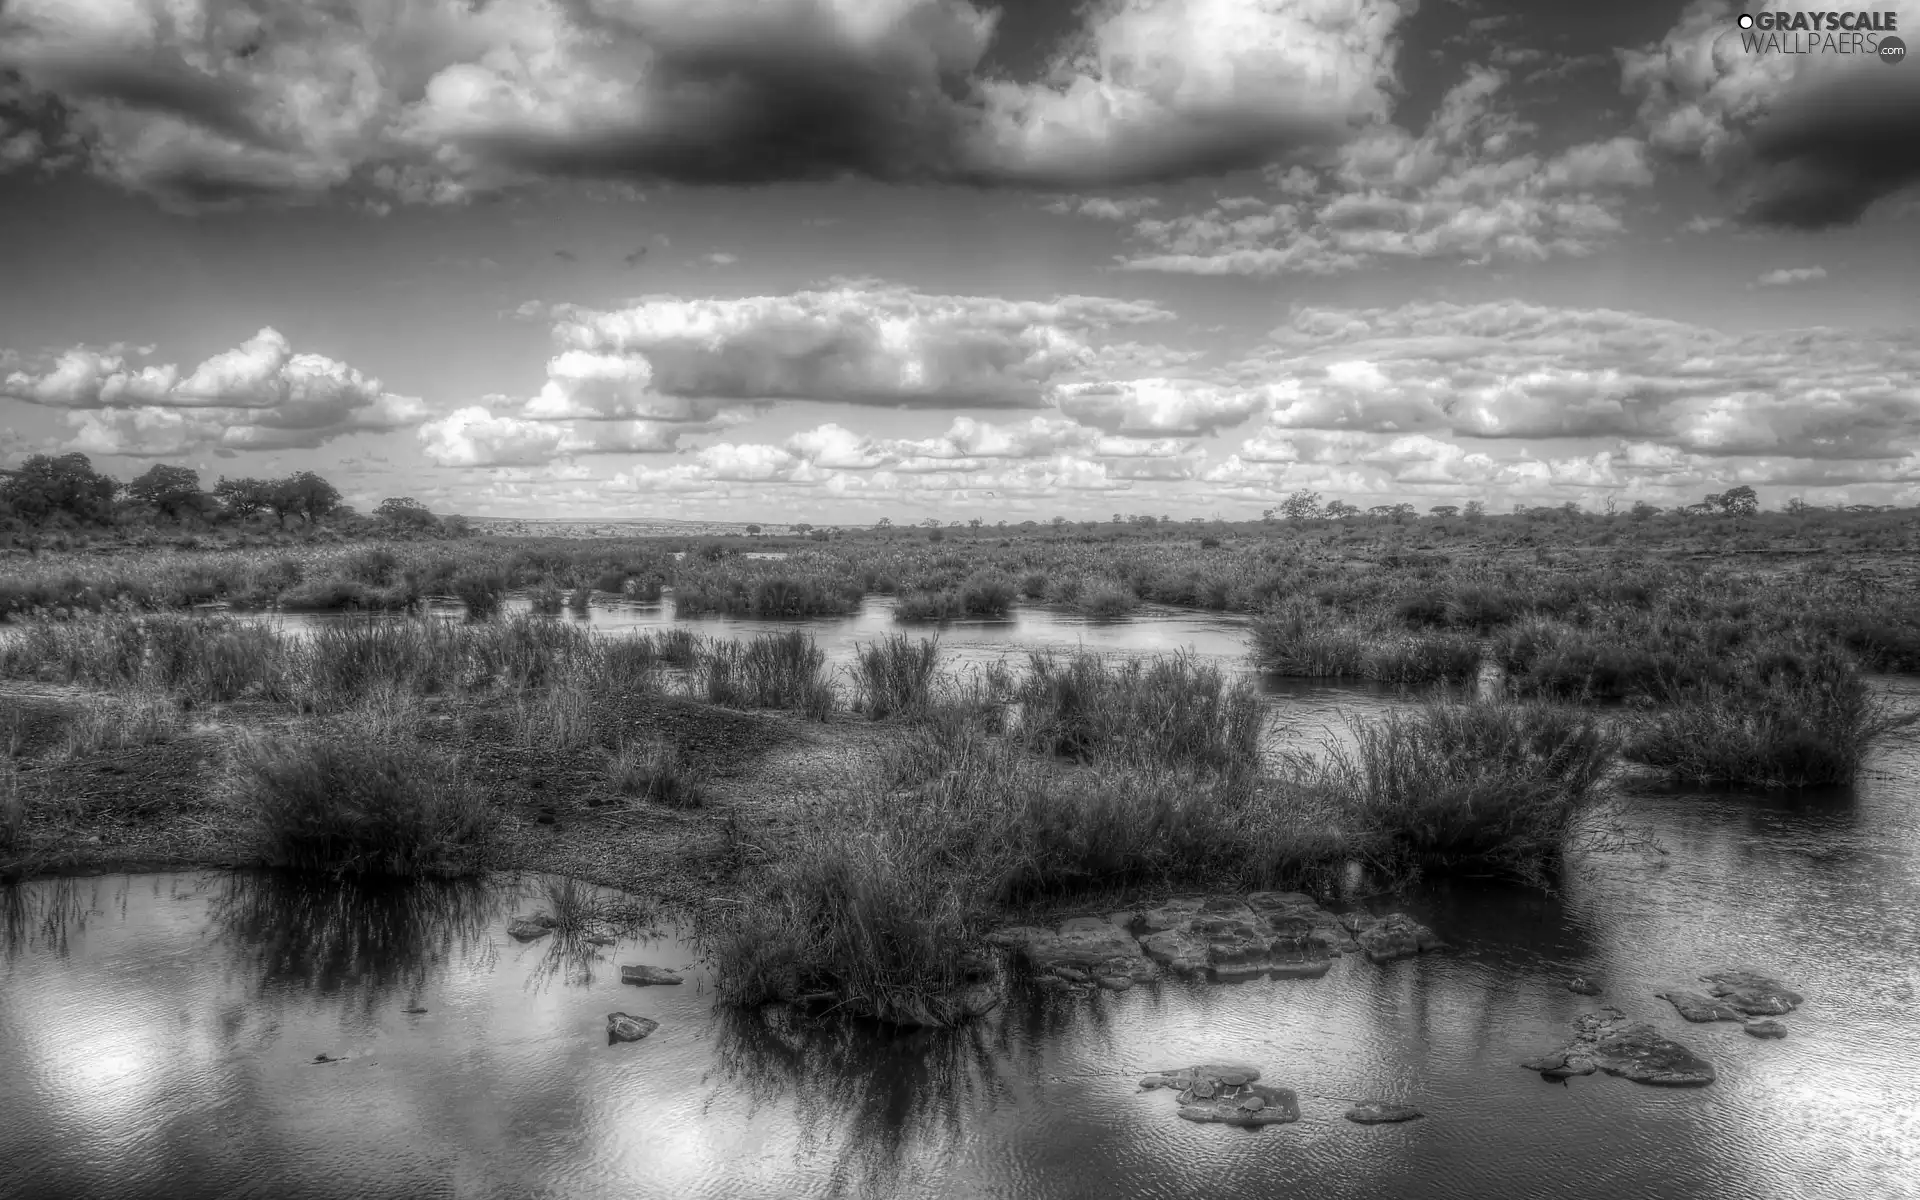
{"points": [[159, 1033]]}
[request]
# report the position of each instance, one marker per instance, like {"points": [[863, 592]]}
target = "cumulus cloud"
{"points": [[1461, 191], [475, 437], [260, 395], [1788, 276], [1510, 370], [204, 102], [1799, 140], [1155, 407]]}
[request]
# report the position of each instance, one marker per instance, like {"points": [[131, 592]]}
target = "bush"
{"points": [[1166, 712], [656, 771], [896, 675], [547, 600], [774, 670], [349, 801], [481, 591], [1472, 786], [1105, 598]]}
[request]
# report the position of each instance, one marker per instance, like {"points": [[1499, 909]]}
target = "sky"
{"points": [[833, 260]]}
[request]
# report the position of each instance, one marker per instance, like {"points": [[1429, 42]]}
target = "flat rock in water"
{"points": [[645, 975], [1396, 935], [1220, 1075], [624, 1028], [1635, 1051], [1249, 1105], [1581, 985], [1765, 1027], [1753, 993], [1698, 1008], [1087, 947], [527, 929], [1379, 1112], [1230, 938]]}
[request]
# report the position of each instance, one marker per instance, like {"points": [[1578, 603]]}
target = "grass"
{"points": [[13, 807], [774, 670], [654, 770], [547, 600], [1164, 712], [483, 593], [1472, 787], [115, 722], [358, 799], [896, 675], [1804, 723]]}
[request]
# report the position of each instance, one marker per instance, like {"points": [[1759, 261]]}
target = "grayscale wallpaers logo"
{"points": [[1868, 33]]}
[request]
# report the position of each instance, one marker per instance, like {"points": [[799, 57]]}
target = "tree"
{"points": [[753, 531], [1339, 510], [884, 523], [242, 498], [1642, 511], [1798, 506], [1302, 505], [1740, 501], [173, 491], [1444, 511], [1401, 512], [407, 512], [802, 528], [1475, 511], [1057, 522], [931, 522], [44, 488], [304, 495], [974, 522]]}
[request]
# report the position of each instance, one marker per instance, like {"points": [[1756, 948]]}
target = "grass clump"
{"points": [[1105, 598], [547, 600], [359, 801], [117, 722], [774, 670], [482, 591], [1163, 712], [1472, 787], [896, 675], [1791, 722], [656, 771]]}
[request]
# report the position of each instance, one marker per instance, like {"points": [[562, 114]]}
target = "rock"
{"points": [[1753, 993], [1249, 1106], [1581, 985], [1115, 983], [1635, 1051], [413, 1012], [1221, 1074], [1700, 1009], [527, 929], [1229, 938], [624, 1028], [1396, 935], [1296, 918], [1088, 948], [1765, 1027], [1379, 1112], [645, 975]]}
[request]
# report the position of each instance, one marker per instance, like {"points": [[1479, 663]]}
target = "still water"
{"points": [[158, 1036]]}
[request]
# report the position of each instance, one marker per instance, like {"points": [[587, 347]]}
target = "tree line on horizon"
{"points": [[67, 492]]}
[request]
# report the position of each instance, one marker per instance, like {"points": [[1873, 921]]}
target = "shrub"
{"points": [[1472, 786], [656, 771], [1164, 712], [1106, 598], [987, 595], [357, 801], [928, 606], [481, 591], [774, 670], [896, 674], [547, 600]]}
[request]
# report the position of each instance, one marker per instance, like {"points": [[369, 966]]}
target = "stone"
{"points": [[529, 928], [1753, 993], [1380, 1112], [1228, 938], [1184, 1078], [1088, 948], [1765, 1027], [646, 975], [1396, 935], [1581, 985], [1635, 1051], [1698, 1008], [1249, 1106], [624, 1028]]}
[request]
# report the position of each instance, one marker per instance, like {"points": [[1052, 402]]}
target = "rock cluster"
{"points": [[622, 1027], [1227, 1094], [1284, 934], [645, 975], [1619, 1046], [1736, 996]]}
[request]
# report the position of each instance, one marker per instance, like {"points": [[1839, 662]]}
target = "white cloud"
{"points": [[1460, 191], [260, 395], [1152, 407], [476, 437], [1788, 276]]}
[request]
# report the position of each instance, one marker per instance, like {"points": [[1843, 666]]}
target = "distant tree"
{"points": [[304, 495], [1401, 513], [242, 498], [44, 488], [1380, 511], [884, 523], [1475, 511], [1642, 511], [1269, 515], [1340, 510], [1057, 522], [1302, 505], [405, 512], [974, 522], [173, 491], [1740, 501], [753, 531], [1798, 506], [931, 522], [802, 528], [1570, 509], [1444, 511]]}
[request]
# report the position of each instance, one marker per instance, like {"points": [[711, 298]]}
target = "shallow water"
{"points": [[159, 1033]]}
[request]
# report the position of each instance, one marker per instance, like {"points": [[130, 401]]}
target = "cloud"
{"points": [[259, 396], [1150, 407], [1103, 208], [1788, 276], [1508, 370], [203, 103], [475, 437], [1799, 140], [1460, 191]]}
